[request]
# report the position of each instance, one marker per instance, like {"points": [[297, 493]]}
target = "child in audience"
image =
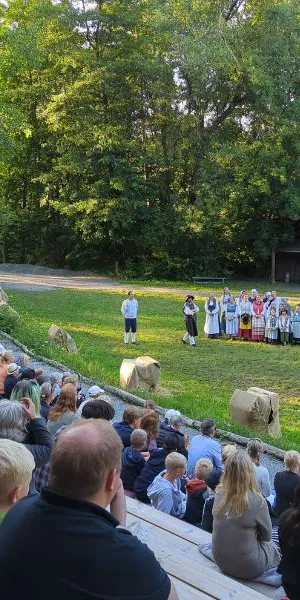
{"points": [[296, 325], [16, 466], [212, 481], [154, 466], [255, 449], [197, 491], [284, 327], [165, 491], [133, 460], [272, 327]]}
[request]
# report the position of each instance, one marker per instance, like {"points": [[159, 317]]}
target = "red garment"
{"points": [[194, 485], [258, 307]]}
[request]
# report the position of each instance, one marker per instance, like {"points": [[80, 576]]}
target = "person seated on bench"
{"points": [[132, 417], [289, 538], [204, 446], [196, 490], [154, 466], [255, 449], [286, 481], [165, 491], [242, 530], [133, 460], [212, 481], [16, 466], [172, 424]]}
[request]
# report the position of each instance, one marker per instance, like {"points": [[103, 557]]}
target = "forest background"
{"points": [[157, 137]]}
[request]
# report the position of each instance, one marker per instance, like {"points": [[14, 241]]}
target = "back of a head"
{"points": [[292, 461], [171, 413], [27, 388], [55, 378], [40, 379], [16, 466], [24, 360], [238, 480], [203, 467], [138, 439], [131, 413], [171, 442], [175, 420], [7, 357], [82, 457], [73, 379], [213, 479], [66, 402], [174, 461], [227, 451], [98, 409], [28, 373], [150, 423], [208, 426], [12, 421], [254, 448], [46, 390]]}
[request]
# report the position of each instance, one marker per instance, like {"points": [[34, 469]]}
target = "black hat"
{"points": [[190, 296]]}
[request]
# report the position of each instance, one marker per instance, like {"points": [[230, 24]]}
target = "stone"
{"points": [[142, 372], [258, 409], [3, 297], [62, 338]]}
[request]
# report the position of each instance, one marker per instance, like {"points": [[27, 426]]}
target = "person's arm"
{"points": [[263, 521], [207, 516], [165, 502], [118, 505], [215, 312], [123, 308], [217, 458], [173, 593], [265, 484], [196, 308], [43, 442]]}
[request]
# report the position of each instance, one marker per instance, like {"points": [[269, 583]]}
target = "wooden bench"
{"points": [[175, 545], [208, 279]]}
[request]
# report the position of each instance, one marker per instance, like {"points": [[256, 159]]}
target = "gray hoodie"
{"points": [[167, 496]]}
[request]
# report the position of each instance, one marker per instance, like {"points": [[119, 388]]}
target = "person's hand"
{"points": [[28, 408]]}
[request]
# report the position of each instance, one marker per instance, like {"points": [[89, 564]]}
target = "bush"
{"points": [[8, 318]]}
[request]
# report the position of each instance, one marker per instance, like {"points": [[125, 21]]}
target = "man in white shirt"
{"points": [[129, 311]]}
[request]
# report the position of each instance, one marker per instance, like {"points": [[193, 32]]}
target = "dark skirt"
{"points": [[191, 326]]}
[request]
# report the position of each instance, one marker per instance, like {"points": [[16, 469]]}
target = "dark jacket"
{"points": [[9, 384], [290, 560], [284, 484], [124, 430], [207, 517], [196, 495], [39, 442], [165, 429], [152, 467], [45, 409], [90, 557], [132, 464]]}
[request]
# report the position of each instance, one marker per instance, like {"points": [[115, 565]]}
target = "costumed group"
{"points": [[260, 318]]}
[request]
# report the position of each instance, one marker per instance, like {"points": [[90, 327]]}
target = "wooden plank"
{"points": [[181, 559], [186, 592]]}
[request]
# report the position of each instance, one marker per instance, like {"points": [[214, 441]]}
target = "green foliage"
{"points": [[8, 318], [161, 135]]}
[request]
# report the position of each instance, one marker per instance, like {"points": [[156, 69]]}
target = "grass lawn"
{"points": [[200, 380]]}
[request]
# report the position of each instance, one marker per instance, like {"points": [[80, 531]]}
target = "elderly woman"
{"points": [[286, 481], [212, 327], [20, 423]]}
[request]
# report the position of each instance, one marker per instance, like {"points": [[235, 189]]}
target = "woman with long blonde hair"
{"points": [[242, 529], [63, 412]]}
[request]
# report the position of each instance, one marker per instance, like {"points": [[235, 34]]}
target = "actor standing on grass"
{"points": [[129, 311], [190, 310]]}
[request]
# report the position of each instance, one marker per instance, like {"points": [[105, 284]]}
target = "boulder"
{"points": [[258, 409], [3, 297], [142, 372], [62, 338], [8, 317]]}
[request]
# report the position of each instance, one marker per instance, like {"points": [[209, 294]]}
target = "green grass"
{"points": [[200, 381]]}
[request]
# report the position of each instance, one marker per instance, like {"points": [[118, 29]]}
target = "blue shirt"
{"points": [[203, 446], [130, 308]]}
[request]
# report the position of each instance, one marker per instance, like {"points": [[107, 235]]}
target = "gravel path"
{"points": [[272, 464]]}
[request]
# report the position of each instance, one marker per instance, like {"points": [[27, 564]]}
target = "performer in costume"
{"points": [[190, 310], [296, 325], [129, 311], [272, 327], [231, 317], [245, 324], [284, 327], [258, 319], [212, 327], [223, 303]]}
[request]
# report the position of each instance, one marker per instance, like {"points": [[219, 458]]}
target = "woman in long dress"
{"points": [[296, 325], [272, 327], [258, 320], [223, 303], [231, 317], [190, 310], [245, 320], [212, 322]]}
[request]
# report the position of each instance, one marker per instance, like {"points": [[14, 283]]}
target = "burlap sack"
{"points": [[142, 372], [258, 409], [62, 338]]}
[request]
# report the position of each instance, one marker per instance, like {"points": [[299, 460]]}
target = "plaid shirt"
{"points": [[41, 474]]}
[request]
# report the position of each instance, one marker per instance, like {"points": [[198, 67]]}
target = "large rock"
{"points": [[3, 297], [258, 409], [142, 372], [62, 338], [8, 317]]}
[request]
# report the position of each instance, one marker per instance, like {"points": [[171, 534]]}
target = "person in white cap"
{"points": [[11, 379], [252, 298], [94, 392], [129, 311]]}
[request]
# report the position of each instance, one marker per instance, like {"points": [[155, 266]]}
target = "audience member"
{"points": [[47, 395], [73, 378], [153, 466], [71, 515], [24, 361], [133, 460], [204, 446], [63, 413], [44, 378], [132, 417], [27, 373], [254, 449], [172, 424], [11, 379], [242, 529], [55, 379], [27, 388], [6, 359], [94, 392], [289, 538], [196, 492], [227, 451], [19, 423], [98, 409], [212, 481], [16, 466], [2, 350], [150, 423], [165, 491], [286, 481]]}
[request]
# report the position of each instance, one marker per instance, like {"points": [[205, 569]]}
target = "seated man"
{"points": [[69, 529], [204, 446], [16, 466], [132, 417], [172, 424]]}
